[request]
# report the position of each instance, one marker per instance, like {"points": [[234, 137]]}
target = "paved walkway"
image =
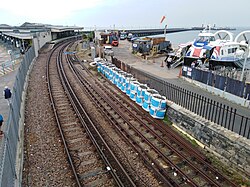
{"points": [[123, 53], [7, 79]]}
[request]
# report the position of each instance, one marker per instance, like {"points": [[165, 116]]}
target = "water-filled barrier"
{"points": [[149, 99], [148, 94], [146, 106], [141, 90], [158, 101], [128, 80], [156, 112], [134, 85], [132, 95], [139, 100], [123, 87]]}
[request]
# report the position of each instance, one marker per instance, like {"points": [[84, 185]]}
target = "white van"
{"points": [[108, 50]]}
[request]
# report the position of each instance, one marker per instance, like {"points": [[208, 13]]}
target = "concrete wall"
{"points": [[40, 40], [230, 147]]}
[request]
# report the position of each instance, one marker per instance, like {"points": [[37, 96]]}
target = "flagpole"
{"points": [[165, 28]]}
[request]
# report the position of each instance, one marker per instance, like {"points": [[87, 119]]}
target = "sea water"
{"points": [[189, 36]]}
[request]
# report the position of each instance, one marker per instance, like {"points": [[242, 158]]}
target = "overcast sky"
{"points": [[126, 13]]}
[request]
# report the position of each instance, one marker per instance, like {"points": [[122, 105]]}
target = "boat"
{"points": [[231, 53], [200, 49]]}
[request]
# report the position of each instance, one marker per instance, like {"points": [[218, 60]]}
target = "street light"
{"points": [[165, 31]]}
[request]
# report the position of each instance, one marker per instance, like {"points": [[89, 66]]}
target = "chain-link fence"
{"points": [[11, 135]]}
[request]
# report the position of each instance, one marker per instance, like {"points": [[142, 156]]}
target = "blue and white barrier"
{"points": [[139, 100], [142, 89], [149, 99], [123, 87], [158, 101], [134, 85], [146, 106], [132, 95], [157, 113], [128, 80], [148, 94]]}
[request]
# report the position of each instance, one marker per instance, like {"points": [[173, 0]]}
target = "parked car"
{"points": [[123, 35], [108, 50], [130, 36]]}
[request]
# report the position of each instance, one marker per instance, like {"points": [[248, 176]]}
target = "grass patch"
{"points": [[192, 141], [237, 176], [167, 121]]}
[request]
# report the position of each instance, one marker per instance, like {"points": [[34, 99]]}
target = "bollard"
{"points": [[162, 64], [180, 73]]}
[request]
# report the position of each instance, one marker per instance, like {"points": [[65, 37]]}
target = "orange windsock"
{"points": [[162, 19]]}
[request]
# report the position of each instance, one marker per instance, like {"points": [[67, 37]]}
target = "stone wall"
{"points": [[230, 147]]}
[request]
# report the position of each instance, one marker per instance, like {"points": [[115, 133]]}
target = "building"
{"points": [[22, 37]]}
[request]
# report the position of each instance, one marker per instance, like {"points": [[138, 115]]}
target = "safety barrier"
{"points": [[8, 66], [13, 62]]}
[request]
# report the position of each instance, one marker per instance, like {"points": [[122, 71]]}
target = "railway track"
{"points": [[173, 159], [92, 161]]}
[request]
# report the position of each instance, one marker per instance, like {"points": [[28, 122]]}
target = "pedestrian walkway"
{"points": [[6, 79]]}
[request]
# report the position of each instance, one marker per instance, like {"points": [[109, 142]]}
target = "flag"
{"points": [[162, 19]]}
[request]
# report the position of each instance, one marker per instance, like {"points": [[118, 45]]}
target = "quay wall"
{"points": [[231, 148]]}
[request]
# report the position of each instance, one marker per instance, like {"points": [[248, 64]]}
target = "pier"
{"points": [[147, 32]]}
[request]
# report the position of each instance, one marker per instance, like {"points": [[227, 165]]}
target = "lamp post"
{"points": [[165, 31]]}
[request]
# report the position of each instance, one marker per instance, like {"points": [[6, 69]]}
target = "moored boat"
{"points": [[231, 54], [201, 47]]}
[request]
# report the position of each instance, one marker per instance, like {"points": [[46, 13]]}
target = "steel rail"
{"points": [[180, 141], [123, 179], [56, 115], [200, 157]]}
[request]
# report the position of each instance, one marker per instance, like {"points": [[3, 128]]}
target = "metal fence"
{"points": [[233, 73], [14, 58], [209, 109], [8, 67], [224, 83], [11, 137]]}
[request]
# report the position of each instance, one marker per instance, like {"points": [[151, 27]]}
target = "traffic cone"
{"points": [[162, 64]]}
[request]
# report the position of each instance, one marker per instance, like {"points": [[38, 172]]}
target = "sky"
{"points": [[126, 13]]}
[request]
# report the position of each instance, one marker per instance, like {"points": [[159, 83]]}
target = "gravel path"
{"points": [[44, 160]]}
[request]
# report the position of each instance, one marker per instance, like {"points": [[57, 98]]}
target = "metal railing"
{"points": [[207, 108], [11, 135], [14, 58]]}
